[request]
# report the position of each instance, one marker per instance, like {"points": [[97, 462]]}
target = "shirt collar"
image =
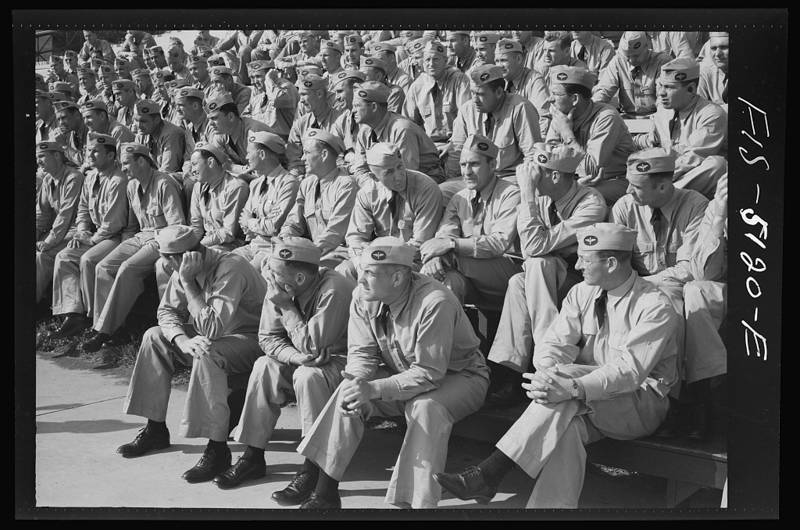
{"points": [[563, 201], [616, 294], [668, 209], [208, 260], [309, 293], [486, 192]]}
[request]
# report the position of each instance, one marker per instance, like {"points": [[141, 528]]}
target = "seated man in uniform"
{"points": [[553, 207], [165, 140], [411, 352], [223, 296], [714, 71], [519, 79], [303, 333], [401, 203], [478, 228], [592, 50], [695, 129], [604, 368], [325, 199], [274, 100], [223, 81]]}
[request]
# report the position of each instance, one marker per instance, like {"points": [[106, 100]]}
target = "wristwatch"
{"points": [[452, 244], [575, 389]]}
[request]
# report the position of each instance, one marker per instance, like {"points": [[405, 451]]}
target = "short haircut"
{"points": [[139, 156], [193, 100], [207, 154], [73, 111], [573, 88], [564, 38], [497, 84], [309, 269], [622, 256], [664, 175], [228, 108], [109, 149]]}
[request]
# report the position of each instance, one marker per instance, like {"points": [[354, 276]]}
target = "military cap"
{"points": [[119, 61], [175, 51], [147, 106], [86, 71], [271, 141], [353, 38], [557, 157], [257, 66], [189, 92], [221, 70], [485, 73], [140, 71], [54, 59], [343, 32], [197, 59], [100, 139], [95, 63], [388, 251], [331, 45], [430, 34], [508, 46], [712, 34], [176, 239], [417, 46], [374, 62], [158, 74], [94, 104], [348, 73], [572, 75], [43, 94], [486, 40], [156, 50], [61, 106], [39, 78], [652, 160], [178, 83], [312, 81], [175, 41], [216, 60], [123, 84], [133, 148], [480, 144], [48, 146], [217, 100], [633, 42], [61, 87], [204, 52], [70, 53], [57, 96], [291, 248], [680, 69], [105, 69], [384, 154], [309, 69], [318, 32], [218, 153], [372, 91], [321, 135], [435, 47], [379, 47], [464, 32], [606, 236]]}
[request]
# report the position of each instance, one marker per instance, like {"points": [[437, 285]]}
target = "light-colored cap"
{"points": [[652, 160], [48, 146], [141, 72], [680, 69], [94, 104], [147, 106], [508, 46], [417, 46], [572, 75], [257, 66], [486, 40], [61, 87], [348, 73], [309, 69], [197, 59], [485, 73], [480, 144], [61, 106], [119, 61], [353, 38], [123, 84], [188, 92], [271, 141], [290, 248], [218, 153], [176, 239], [379, 47], [94, 139], [374, 62], [606, 236], [435, 47], [372, 91], [334, 141], [221, 70], [331, 45], [312, 82], [86, 71], [632, 42], [384, 154], [388, 251], [217, 100], [557, 157], [137, 149]]}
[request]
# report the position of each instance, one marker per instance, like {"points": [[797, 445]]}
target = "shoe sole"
{"points": [[136, 455], [285, 502], [204, 479], [231, 485]]}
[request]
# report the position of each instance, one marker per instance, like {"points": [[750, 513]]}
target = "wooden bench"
{"points": [[687, 466]]}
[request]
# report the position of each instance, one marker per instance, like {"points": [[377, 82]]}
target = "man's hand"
{"points": [[562, 123], [196, 346], [548, 386], [280, 295], [528, 177], [356, 393], [322, 357], [438, 246], [244, 219], [191, 265], [81, 237], [434, 269], [591, 181], [41, 246], [721, 197], [273, 74]]}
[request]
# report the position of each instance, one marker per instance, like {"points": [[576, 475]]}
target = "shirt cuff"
{"points": [[171, 333], [387, 389], [592, 387], [466, 246]]}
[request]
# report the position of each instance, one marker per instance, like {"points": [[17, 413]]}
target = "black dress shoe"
{"points": [[72, 325], [298, 490], [147, 440], [467, 485], [95, 342], [244, 469], [315, 502], [211, 464], [509, 393]]}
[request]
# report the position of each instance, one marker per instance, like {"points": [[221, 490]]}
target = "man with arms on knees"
{"points": [[102, 216], [552, 208], [695, 129], [478, 228], [604, 368], [401, 203], [272, 196], [303, 333], [223, 296], [154, 203], [432, 373]]}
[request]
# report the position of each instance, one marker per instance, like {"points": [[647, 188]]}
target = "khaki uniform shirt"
{"points": [[426, 336], [103, 206], [712, 84], [598, 52], [57, 205], [235, 145], [275, 106], [215, 209], [154, 203], [635, 348], [530, 85], [294, 146], [167, 145], [436, 114], [318, 321], [637, 94], [202, 132], [710, 252], [232, 290], [46, 131], [674, 43], [271, 199]]}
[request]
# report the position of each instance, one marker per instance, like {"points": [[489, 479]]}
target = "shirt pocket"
{"points": [[156, 215]]}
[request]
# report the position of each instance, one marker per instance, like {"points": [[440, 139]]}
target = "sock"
{"points": [[311, 468], [254, 454], [156, 426], [219, 446], [327, 488], [496, 467]]}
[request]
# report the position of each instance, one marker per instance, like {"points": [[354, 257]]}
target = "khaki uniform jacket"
{"points": [[436, 115], [103, 206], [271, 199], [215, 209], [57, 205]]}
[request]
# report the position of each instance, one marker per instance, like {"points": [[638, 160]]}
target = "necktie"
{"points": [[510, 87], [725, 89], [315, 124], [318, 193], [553, 212], [582, 54], [205, 193], [383, 321], [96, 185], [476, 205], [353, 126], [373, 138], [393, 205], [140, 192], [675, 126], [655, 220], [637, 70], [264, 187], [489, 124], [600, 310], [434, 91]]}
